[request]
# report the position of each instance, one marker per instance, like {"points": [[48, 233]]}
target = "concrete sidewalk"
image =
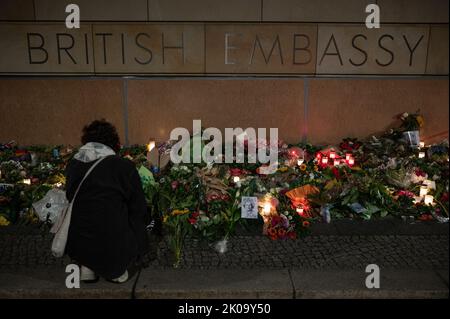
{"points": [[237, 284], [330, 263]]}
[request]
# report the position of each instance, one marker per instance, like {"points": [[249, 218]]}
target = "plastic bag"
{"points": [[51, 207]]}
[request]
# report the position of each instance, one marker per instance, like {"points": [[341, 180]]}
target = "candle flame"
{"points": [[151, 145]]}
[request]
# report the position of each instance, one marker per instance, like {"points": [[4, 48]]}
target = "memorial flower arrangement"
{"points": [[360, 179], [411, 122]]}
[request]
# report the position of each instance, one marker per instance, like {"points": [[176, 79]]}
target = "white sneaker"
{"points": [[87, 274], [122, 278]]}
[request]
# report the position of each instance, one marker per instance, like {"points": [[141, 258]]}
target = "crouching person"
{"points": [[107, 233]]}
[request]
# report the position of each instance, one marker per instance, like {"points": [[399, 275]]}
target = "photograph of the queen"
{"points": [[249, 207]]}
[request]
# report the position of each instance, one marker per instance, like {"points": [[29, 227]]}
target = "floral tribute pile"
{"points": [[390, 174]]}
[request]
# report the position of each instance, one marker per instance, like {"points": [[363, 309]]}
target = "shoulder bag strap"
{"points": [[86, 175]]}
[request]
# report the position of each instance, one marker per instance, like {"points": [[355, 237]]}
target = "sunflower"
{"points": [[180, 212], [420, 120], [303, 167]]}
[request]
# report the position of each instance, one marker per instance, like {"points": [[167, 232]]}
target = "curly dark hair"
{"points": [[101, 131]]}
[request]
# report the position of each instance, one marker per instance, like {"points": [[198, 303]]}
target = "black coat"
{"points": [[107, 230]]}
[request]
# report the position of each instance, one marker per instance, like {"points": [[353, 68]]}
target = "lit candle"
{"points": [[59, 184], [422, 144], [336, 162], [428, 200], [348, 156], [300, 211], [351, 161], [332, 154], [151, 145], [267, 208], [236, 179], [300, 161], [27, 181], [325, 160], [423, 191], [421, 154]]}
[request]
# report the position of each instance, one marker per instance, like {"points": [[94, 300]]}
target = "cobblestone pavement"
{"points": [[30, 247]]}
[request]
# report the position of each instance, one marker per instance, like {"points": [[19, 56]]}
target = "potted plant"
{"points": [[411, 125]]}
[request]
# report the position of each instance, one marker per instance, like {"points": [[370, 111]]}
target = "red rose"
{"points": [[174, 185], [195, 214], [405, 193], [235, 171], [420, 173], [292, 235], [336, 172]]}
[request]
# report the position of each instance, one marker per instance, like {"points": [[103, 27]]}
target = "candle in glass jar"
{"points": [[236, 179], [348, 156], [336, 162], [423, 191], [421, 154], [428, 200], [351, 161], [300, 211], [325, 160], [27, 181], [332, 154], [422, 144], [300, 161]]}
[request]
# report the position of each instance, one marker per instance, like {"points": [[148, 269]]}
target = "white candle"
{"points": [[336, 162], [27, 181], [332, 154], [423, 191], [422, 144], [325, 160], [348, 156], [236, 179], [428, 200], [351, 161], [300, 211], [421, 154], [300, 161]]}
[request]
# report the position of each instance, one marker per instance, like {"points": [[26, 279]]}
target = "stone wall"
{"points": [[318, 102]]}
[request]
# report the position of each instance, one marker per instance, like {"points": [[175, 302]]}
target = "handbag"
{"points": [[61, 227], [51, 206]]}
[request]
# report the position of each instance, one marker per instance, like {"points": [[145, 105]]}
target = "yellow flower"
{"points": [[303, 167], [4, 221], [180, 212]]}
